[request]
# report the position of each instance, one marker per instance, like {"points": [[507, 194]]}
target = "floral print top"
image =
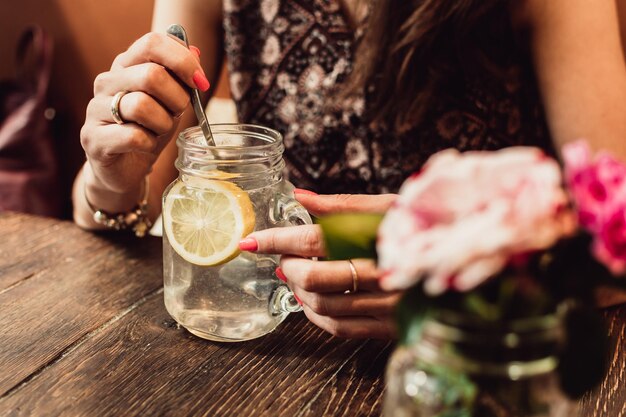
{"points": [[286, 60]]}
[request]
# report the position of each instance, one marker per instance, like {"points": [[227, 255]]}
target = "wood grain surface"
{"points": [[84, 332], [609, 399]]}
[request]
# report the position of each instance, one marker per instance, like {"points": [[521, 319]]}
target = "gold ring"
{"points": [[115, 107], [355, 277]]}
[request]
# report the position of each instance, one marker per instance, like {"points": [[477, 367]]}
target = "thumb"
{"points": [[320, 205]]}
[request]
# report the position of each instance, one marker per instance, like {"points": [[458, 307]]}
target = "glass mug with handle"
{"points": [[222, 194]]}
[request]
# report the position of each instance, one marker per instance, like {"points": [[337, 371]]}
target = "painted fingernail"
{"points": [[201, 81], [249, 244], [297, 298], [303, 191], [195, 50], [280, 275]]}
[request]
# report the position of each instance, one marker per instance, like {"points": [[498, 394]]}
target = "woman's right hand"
{"points": [[154, 72]]}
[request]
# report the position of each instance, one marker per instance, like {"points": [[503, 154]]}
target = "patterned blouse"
{"points": [[286, 59]]}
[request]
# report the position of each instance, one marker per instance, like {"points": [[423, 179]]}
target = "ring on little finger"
{"points": [[355, 278], [115, 107]]}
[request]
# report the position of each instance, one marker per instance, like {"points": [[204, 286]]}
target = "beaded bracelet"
{"points": [[136, 219]]}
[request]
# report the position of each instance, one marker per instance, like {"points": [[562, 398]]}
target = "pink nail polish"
{"points": [[195, 50], [200, 80], [280, 275], [303, 191], [248, 244]]}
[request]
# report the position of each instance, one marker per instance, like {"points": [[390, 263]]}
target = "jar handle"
{"points": [[288, 212]]}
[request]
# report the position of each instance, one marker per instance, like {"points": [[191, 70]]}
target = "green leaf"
{"points": [[350, 236], [474, 302], [411, 311]]}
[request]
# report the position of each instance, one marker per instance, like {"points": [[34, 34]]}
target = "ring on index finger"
{"points": [[115, 107]]}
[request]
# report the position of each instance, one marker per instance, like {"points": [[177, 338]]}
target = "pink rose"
{"points": [[598, 188], [609, 247], [461, 219], [594, 185]]}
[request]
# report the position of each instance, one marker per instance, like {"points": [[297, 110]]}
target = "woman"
{"points": [[427, 75]]}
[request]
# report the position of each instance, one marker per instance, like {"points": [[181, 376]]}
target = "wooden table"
{"points": [[84, 332]]}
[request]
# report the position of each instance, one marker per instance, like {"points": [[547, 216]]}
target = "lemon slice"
{"points": [[205, 219]]}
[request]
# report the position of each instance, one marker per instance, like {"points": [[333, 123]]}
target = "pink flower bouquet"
{"points": [[485, 240], [467, 217]]}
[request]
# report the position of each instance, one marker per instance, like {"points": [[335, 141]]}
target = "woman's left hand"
{"points": [[321, 286]]}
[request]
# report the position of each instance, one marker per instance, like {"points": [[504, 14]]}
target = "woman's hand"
{"points": [[321, 285], [153, 72]]}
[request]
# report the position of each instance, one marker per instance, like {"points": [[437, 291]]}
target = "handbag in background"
{"points": [[29, 180]]}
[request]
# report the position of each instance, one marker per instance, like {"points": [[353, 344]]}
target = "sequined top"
{"points": [[286, 59]]}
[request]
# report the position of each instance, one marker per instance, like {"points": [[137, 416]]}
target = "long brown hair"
{"points": [[411, 47]]}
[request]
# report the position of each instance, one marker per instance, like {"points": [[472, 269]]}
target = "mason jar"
{"points": [[239, 298], [464, 368]]}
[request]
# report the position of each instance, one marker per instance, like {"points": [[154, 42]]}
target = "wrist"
{"points": [[99, 195], [110, 214]]}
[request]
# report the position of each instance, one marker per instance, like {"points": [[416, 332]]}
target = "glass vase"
{"points": [[468, 368]]}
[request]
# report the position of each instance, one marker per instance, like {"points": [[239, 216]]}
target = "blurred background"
{"points": [[87, 36]]}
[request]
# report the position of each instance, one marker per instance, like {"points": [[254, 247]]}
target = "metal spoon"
{"points": [[179, 32]]}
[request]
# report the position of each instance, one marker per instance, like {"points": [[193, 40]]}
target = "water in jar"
{"points": [[228, 302]]}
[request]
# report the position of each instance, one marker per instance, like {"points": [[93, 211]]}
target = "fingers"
{"points": [[153, 79], [154, 74], [168, 52], [134, 107], [154, 99], [305, 240], [353, 327], [358, 304], [106, 142], [320, 287], [329, 276], [320, 205]]}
